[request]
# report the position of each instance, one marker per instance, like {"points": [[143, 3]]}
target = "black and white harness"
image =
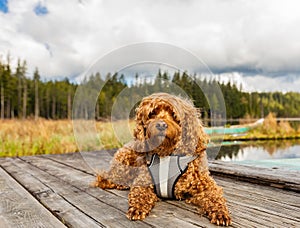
{"points": [[166, 171]]}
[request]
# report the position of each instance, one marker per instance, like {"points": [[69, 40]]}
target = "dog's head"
{"points": [[167, 124]]}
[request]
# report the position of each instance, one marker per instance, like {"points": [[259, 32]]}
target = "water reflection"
{"points": [[259, 150]]}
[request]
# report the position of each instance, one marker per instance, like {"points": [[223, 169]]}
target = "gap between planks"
{"points": [[66, 174], [266, 212], [74, 164], [18, 208]]}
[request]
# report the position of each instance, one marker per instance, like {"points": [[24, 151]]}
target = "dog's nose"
{"points": [[161, 126]]}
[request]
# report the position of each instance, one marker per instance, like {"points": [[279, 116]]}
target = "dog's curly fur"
{"points": [[184, 135]]}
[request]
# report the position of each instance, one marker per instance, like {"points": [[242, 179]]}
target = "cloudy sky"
{"points": [[256, 42]]}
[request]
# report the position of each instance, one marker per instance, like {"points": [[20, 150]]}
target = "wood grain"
{"points": [[19, 209], [277, 178], [62, 184]]}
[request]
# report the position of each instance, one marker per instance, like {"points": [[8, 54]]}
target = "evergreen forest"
{"points": [[26, 97]]}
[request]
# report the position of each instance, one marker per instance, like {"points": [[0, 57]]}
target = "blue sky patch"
{"points": [[40, 10], [3, 6]]}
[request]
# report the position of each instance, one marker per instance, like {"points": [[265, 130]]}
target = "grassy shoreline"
{"points": [[270, 129], [30, 137], [260, 137]]}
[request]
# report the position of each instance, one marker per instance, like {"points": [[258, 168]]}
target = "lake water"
{"points": [[275, 154]]}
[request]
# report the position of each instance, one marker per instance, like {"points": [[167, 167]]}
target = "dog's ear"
{"points": [[197, 130], [194, 140], [202, 140], [142, 112], [139, 132]]}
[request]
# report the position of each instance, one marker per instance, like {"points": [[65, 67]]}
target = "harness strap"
{"points": [[166, 171]]}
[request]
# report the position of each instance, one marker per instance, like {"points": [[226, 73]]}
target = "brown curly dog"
{"points": [[166, 159]]}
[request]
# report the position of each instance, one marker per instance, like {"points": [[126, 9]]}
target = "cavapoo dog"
{"points": [[166, 159]]}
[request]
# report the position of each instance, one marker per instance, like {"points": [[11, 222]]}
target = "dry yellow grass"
{"points": [[29, 137], [269, 126], [270, 129]]}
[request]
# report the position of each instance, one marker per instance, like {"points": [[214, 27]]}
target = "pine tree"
{"points": [[2, 91], [36, 78], [24, 81], [19, 77]]}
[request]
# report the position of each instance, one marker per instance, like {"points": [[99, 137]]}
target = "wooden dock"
{"points": [[54, 191]]}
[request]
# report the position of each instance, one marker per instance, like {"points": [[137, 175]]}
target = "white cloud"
{"points": [[259, 83], [252, 35], [264, 84]]}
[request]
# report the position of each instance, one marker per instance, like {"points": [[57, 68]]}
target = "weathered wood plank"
{"points": [[234, 185], [279, 178], [68, 213], [103, 214], [65, 179], [265, 202], [158, 216], [235, 206], [238, 219], [89, 162], [272, 177], [19, 209], [267, 197]]}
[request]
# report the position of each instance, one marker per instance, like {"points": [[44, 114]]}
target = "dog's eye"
{"points": [[152, 115], [176, 119]]}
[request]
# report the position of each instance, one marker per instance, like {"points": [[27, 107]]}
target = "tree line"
{"points": [[30, 97], [24, 97]]}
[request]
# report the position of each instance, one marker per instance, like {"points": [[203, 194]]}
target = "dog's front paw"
{"points": [[103, 183], [221, 219], [136, 214]]}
